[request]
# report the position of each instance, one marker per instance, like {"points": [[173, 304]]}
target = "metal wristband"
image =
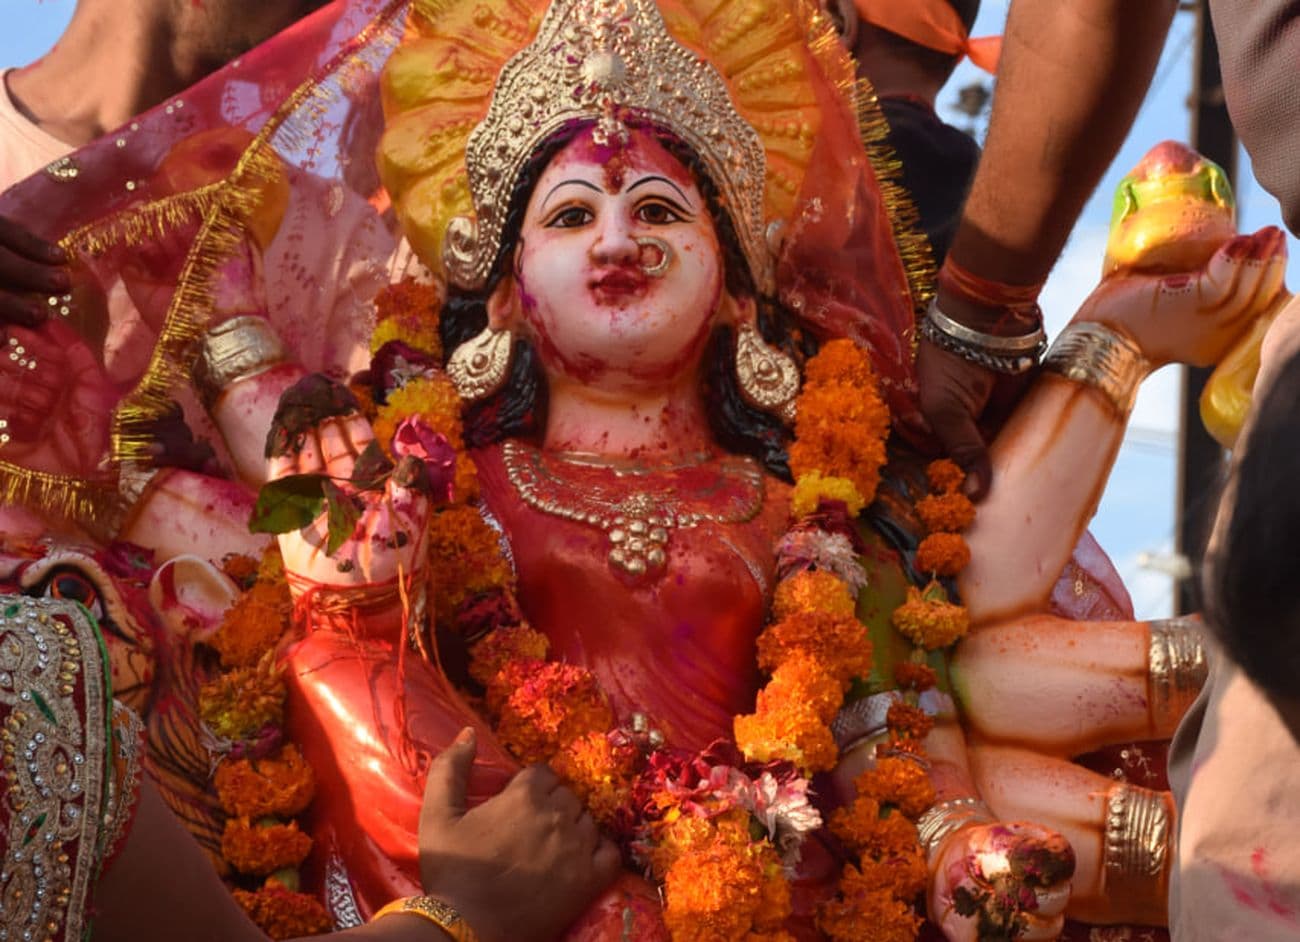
{"points": [[233, 350], [862, 720], [1094, 354], [1139, 830], [1010, 355], [946, 818], [1176, 669], [441, 914]]}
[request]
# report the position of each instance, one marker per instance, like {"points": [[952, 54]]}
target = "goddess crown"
{"points": [[606, 60]]}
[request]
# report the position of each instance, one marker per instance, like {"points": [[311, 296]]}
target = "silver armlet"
{"points": [[236, 349], [1096, 355], [1011, 355]]}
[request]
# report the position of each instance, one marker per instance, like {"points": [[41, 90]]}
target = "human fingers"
{"points": [[568, 805], [21, 240], [953, 393], [18, 273], [606, 862], [538, 781], [444, 787]]}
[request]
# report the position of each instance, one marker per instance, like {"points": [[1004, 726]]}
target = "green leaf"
{"points": [[288, 504], [372, 468], [344, 512]]}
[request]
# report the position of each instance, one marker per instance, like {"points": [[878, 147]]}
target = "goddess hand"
{"points": [[1195, 318], [28, 265], [318, 430], [522, 865], [1015, 877]]}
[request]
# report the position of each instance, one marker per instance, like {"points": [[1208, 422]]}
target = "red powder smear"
{"points": [[1261, 896]]}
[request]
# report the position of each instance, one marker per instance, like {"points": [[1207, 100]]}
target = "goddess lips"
{"points": [[619, 284]]}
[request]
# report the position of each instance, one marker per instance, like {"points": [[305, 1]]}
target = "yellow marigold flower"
{"points": [[942, 554], [812, 591], [901, 783], [281, 785], [464, 558], [944, 475], [791, 731], [259, 849], [239, 704], [283, 914], [810, 488], [599, 772], [408, 311], [254, 624], [928, 619], [945, 513], [838, 642]]}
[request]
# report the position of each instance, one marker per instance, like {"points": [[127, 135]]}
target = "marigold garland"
{"points": [[282, 784], [284, 914], [263, 847]]}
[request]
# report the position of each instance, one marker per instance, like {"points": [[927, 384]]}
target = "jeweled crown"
{"points": [[605, 60]]}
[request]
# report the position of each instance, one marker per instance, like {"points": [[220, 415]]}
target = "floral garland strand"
{"points": [[262, 782]]}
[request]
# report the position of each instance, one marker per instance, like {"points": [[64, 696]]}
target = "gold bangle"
{"points": [[1094, 354], [441, 914], [236, 349], [1176, 669], [946, 818], [1139, 827]]}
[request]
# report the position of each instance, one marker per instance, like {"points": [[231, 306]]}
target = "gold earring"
{"points": [[479, 366], [769, 379]]}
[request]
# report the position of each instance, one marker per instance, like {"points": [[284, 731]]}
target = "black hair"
{"points": [[1249, 579], [519, 409]]}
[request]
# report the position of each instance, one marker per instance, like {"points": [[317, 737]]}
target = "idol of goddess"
{"points": [[629, 379]]}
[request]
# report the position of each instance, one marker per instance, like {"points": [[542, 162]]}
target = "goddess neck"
{"points": [[666, 424]]}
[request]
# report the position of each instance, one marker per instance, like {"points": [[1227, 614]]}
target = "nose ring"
{"points": [[654, 256]]}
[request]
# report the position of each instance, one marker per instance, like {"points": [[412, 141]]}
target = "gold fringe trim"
{"points": [[223, 209], [913, 245]]}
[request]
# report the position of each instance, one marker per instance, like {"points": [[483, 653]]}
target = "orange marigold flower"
{"points": [[812, 590], [241, 569], [801, 678], [944, 475], [928, 620], [549, 706], [254, 624], [901, 783], [725, 892], [854, 822], [502, 645], [259, 849], [841, 433], [840, 361], [912, 676], [408, 311], [283, 914], [868, 917], [942, 554], [839, 642], [788, 730], [365, 396], [908, 722], [678, 833], [465, 559], [945, 513], [282, 785], [600, 772], [239, 704]]}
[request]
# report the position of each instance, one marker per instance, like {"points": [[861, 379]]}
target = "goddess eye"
{"points": [[570, 217], [658, 213]]}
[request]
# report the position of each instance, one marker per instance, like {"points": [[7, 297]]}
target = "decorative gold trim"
{"points": [[1176, 670], [443, 915], [913, 244]]}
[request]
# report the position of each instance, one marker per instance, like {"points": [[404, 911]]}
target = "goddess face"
{"points": [[618, 276]]}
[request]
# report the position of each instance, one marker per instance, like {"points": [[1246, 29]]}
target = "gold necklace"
{"points": [[637, 524]]}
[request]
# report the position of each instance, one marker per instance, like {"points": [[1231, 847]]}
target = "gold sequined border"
{"points": [[913, 245]]}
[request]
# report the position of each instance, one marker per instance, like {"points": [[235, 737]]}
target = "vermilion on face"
{"points": [[602, 307]]}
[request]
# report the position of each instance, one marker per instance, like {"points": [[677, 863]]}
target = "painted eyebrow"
{"points": [[651, 179], [589, 185]]}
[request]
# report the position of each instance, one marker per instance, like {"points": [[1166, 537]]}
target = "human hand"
{"points": [[1194, 318], [953, 395], [522, 865], [1009, 879], [28, 265], [318, 430]]}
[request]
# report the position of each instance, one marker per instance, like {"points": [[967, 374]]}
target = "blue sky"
{"points": [[1136, 518]]}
